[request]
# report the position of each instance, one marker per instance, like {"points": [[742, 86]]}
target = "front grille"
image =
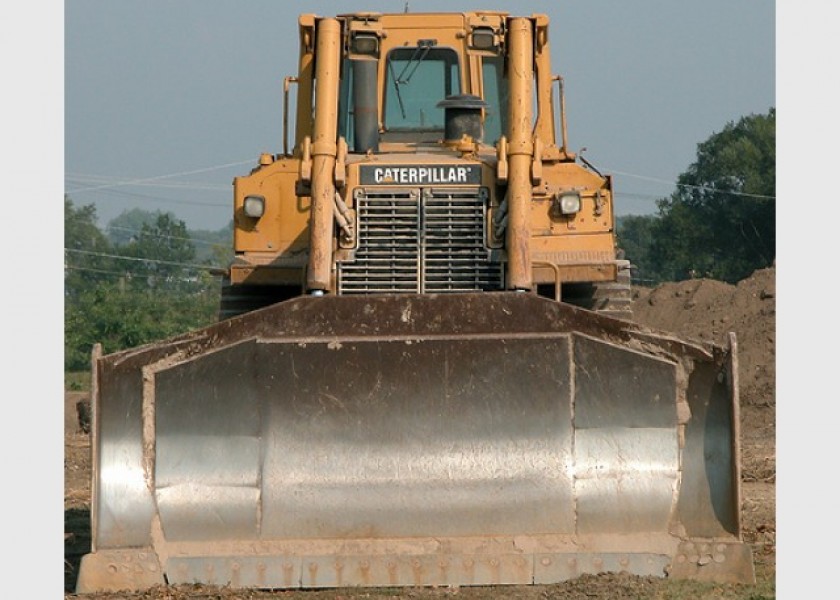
{"points": [[417, 240]]}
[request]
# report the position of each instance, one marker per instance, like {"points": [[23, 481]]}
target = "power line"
{"points": [[689, 186], [100, 271], [118, 273], [159, 199], [638, 196], [158, 177], [194, 240], [84, 219], [217, 187], [167, 237], [144, 260], [78, 179]]}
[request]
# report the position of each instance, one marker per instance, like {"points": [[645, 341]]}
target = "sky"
{"points": [[167, 101]]}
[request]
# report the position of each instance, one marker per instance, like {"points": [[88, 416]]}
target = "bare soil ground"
{"points": [[699, 308]]}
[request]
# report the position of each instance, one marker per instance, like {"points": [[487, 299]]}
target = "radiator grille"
{"points": [[420, 240]]}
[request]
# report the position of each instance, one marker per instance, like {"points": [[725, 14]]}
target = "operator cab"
{"points": [[400, 101]]}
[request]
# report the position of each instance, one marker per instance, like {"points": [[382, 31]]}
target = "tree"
{"points": [[168, 250], [88, 266], [125, 227], [721, 220], [634, 234], [125, 296], [86, 250]]}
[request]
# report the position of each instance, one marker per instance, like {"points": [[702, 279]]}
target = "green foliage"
{"points": [[121, 316], [86, 248], [123, 228], [633, 233], [721, 220], [164, 251], [720, 223], [123, 296], [216, 246]]}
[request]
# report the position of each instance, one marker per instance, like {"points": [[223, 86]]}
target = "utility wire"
{"points": [[168, 237], [158, 198], [159, 177], [144, 260], [77, 179], [116, 182], [184, 185], [689, 186], [84, 219], [119, 273]]}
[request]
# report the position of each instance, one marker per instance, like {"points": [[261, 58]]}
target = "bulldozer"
{"points": [[425, 370]]}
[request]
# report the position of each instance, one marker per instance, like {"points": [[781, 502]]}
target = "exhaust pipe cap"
{"points": [[462, 116]]}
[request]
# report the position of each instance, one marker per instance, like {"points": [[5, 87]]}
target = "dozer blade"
{"points": [[456, 439]]}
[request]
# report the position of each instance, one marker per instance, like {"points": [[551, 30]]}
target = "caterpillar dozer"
{"points": [[425, 371]]}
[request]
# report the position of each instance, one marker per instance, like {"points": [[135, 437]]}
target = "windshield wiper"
{"points": [[397, 89], [414, 61]]}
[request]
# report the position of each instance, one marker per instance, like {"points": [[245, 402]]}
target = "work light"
{"points": [[569, 203], [254, 206]]}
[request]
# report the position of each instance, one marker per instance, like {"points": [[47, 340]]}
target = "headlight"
{"points": [[365, 43], [254, 206], [483, 38], [569, 203]]}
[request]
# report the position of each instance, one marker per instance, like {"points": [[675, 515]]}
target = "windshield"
{"points": [[416, 79]]}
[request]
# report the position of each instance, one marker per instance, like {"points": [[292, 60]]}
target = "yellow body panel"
{"points": [[286, 217], [275, 248]]}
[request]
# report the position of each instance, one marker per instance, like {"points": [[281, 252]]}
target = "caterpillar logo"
{"points": [[420, 174]]}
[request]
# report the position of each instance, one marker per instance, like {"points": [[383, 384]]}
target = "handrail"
{"points": [[562, 94], [286, 85], [557, 280]]}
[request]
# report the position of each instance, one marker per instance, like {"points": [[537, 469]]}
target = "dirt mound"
{"points": [[708, 310]]}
